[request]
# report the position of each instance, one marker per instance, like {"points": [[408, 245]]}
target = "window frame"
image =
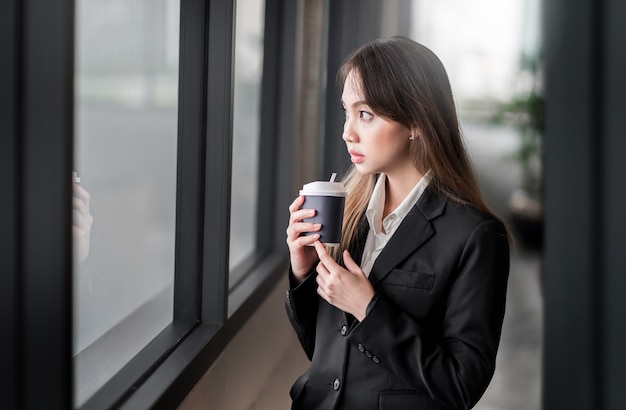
{"points": [[10, 218], [36, 124], [207, 314], [37, 246]]}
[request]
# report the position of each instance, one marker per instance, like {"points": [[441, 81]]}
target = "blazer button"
{"points": [[368, 354], [336, 384], [344, 330], [360, 347], [376, 359]]}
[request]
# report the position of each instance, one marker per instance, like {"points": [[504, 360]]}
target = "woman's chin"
{"points": [[364, 169]]}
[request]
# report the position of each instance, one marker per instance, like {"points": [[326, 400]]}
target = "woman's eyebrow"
{"points": [[355, 104]]}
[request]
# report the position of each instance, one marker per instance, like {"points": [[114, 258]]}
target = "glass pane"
{"points": [[125, 191], [246, 126]]}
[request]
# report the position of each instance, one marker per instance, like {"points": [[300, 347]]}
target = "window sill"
{"points": [[194, 349]]}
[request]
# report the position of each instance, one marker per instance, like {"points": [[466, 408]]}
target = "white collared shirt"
{"points": [[377, 237]]}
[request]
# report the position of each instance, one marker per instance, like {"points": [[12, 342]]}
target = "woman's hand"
{"points": [[349, 290], [302, 255], [81, 222]]}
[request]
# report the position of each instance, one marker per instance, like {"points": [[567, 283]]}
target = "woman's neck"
{"points": [[397, 188]]}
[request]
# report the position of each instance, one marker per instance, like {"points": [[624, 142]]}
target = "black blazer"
{"points": [[432, 330]]}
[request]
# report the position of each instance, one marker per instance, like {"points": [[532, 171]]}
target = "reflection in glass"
{"points": [[125, 182], [246, 126]]}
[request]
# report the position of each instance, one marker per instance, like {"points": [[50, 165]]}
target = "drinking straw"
{"points": [[333, 176]]}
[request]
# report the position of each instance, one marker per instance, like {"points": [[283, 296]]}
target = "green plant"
{"points": [[526, 112]]}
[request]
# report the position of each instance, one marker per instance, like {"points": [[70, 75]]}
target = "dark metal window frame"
{"points": [[36, 76], [37, 156]]}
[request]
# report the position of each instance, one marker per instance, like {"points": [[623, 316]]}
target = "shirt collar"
{"points": [[376, 204]]}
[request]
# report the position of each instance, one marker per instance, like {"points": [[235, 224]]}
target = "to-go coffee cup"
{"points": [[328, 199]]}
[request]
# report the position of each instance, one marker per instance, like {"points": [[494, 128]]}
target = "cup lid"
{"points": [[323, 188]]}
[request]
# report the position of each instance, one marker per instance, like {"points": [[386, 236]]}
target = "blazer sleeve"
{"points": [[455, 366], [301, 304]]}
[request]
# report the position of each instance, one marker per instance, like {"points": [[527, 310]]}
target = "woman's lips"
{"points": [[355, 157]]}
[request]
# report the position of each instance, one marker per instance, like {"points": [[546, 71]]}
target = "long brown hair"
{"points": [[406, 82]]}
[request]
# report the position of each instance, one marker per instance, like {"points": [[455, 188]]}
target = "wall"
{"points": [[584, 357]]}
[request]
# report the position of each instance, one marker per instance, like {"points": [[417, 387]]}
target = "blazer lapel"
{"points": [[412, 233]]}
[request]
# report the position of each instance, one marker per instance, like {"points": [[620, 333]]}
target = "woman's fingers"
{"points": [[81, 193], [321, 269], [295, 231], [296, 204], [81, 215], [301, 241], [301, 214], [325, 257], [297, 227], [302, 255], [296, 223], [322, 278]]}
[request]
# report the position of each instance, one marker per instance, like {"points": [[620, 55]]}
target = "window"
{"points": [[248, 67], [126, 103], [135, 96]]}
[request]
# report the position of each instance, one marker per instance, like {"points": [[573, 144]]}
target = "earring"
{"points": [[412, 137]]}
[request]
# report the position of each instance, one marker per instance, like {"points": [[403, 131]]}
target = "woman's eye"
{"points": [[366, 115]]}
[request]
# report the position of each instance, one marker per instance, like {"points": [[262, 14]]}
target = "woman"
{"points": [[408, 312]]}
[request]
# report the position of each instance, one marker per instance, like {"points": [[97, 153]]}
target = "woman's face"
{"points": [[375, 144]]}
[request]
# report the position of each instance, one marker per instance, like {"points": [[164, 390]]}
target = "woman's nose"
{"points": [[348, 134]]}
